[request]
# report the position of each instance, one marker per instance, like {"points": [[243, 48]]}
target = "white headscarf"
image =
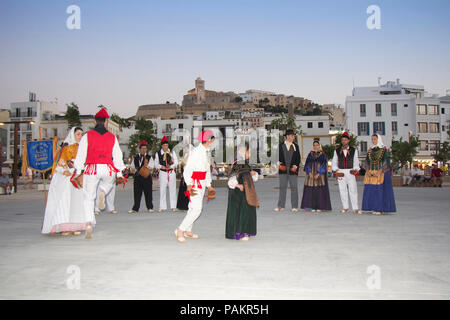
{"points": [[70, 139], [380, 143]]}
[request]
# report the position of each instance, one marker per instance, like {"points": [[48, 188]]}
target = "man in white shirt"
{"points": [[406, 175], [345, 165], [197, 174], [166, 162], [100, 157]]}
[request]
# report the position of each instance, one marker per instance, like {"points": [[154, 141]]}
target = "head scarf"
{"points": [[380, 143], [70, 139]]}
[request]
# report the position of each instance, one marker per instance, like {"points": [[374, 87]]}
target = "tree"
{"points": [[442, 153], [286, 122], [72, 116], [238, 99], [329, 150], [403, 152], [145, 132], [122, 122]]}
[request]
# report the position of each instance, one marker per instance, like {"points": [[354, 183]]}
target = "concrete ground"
{"points": [[294, 256]]}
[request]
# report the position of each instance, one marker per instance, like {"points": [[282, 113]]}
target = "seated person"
{"points": [[427, 174], [436, 174], [4, 183]]}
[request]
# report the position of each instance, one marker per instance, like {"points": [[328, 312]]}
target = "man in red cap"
{"points": [[100, 157], [141, 183], [197, 175], [166, 162], [345, 165]]}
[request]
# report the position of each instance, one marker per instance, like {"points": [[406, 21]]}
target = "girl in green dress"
{"points": [[242, 199]]}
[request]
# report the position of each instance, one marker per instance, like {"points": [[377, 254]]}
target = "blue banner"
{"points": [[40, 155]]}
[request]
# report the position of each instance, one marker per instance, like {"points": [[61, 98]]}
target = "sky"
{"points": [[135, 52]]}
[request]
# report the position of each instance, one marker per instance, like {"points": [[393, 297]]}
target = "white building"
{"points": [[445, 117], [394, 111], [31, 110]]}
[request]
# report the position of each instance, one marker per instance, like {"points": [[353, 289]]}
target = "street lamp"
{"points": [[16, 142]]}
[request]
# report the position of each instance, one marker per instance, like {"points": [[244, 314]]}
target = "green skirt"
{"points": [[241, 217]]}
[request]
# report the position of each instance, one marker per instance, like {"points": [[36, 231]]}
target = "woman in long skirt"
{"points": [[183, 200], [64, 212], [316, 195], [242, 199], [378, 194]]}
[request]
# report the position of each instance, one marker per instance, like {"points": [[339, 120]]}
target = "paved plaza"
{"points": [[294, 256]]}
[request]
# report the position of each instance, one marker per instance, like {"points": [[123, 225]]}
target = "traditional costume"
{"points": [[289, 164], [143, 180], [316, 195], [167, 176], [345, 165], [241, 211], [378, 194], [100, 157], [109, 201], [197, 174], [183, 200], [64, 211]]}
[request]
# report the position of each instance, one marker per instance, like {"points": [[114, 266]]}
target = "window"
{"points": [[434, 145], [320, 124], [378, 109], [433, 109], [55, 132], [363, 129], [363, 146], [180, 126], [310, 125], [362, 110], [17, 112], [405, 106], [423, 146], [394, 109], [434, 127], [421, 109], [423, 127], [394, 128], [442, 110], [30, 112], [379, 127]]}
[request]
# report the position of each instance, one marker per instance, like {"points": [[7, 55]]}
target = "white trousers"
{"points": [[406, 179], [109, 199], [102, 180], [347, 185], [194, 209], [167, 180]]}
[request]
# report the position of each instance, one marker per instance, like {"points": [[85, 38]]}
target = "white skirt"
{"points": [[64, 211]]}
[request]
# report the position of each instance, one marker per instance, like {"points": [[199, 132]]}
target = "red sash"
{"points": [[198, 176]]}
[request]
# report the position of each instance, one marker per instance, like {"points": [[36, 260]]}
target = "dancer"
{"points": [[197, 175], [242, 199], [99, 155], [378, 194], [345, 165], [108, 202], [166, 162], [183, 200], [64, 211], [316, 195], [289, 163], [143, 180]]}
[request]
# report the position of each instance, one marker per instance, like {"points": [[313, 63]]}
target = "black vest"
{"points": [[136, 162], [345, 162], [162, 162]]}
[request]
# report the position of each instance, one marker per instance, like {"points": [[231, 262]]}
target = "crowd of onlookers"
{"points": [[428, 176]]}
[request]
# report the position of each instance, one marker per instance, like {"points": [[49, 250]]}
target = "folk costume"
{"points": [[183, 200], [197, 174], [167, 176], [100, 157], [64, 211], [345, 165], [289, 164], [378, 194], [109, 201], [316, 195], [241, 211], [141, 183]]}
